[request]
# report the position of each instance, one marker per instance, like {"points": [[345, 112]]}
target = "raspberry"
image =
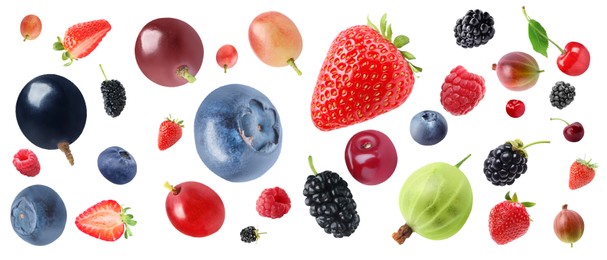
{"points": [[273, 203], [461, 91], [26, 163]]}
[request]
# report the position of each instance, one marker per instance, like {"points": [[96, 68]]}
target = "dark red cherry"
{"points": [[371, 157]]}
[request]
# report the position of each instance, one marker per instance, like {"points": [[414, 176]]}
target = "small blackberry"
{"points": [[507, 162], [331, 203], [562, 94], [114, 96], [474, 29], [250, 234]]}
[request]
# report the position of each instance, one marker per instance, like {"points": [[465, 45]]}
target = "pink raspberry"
{"points": [[273, 203], [26, 163], [461, 91]]}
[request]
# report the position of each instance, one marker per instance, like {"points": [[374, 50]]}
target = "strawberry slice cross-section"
{"points": [[106, 220], [81, 39]]}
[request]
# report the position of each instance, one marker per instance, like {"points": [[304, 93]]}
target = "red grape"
{"points": [[226, 57], [275, 39], [31, 26], [371, 157], [515, 108], [169, 52], [194, 209]]}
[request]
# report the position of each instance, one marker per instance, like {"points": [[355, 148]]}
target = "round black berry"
{"points": [[505, 164], [331, 203], [250, 234], [474, 29], [562, 94], [114, 97]]}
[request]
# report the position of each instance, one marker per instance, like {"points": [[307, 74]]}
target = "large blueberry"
{"points": [[237, 132], [117, 165], [428, 127], [38, 215]]}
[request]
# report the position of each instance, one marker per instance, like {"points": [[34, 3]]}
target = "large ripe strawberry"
{"points": [[81, 39], [363, 76], [581, 173], [106, 220], [169, 133], [509, 220]]}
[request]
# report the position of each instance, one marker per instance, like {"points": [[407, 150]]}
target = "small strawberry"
{"points": [[273, 203], [106, 220], [461, 91], [581, 173], [363, 76], [169, 133], [509, 220], [81, 39], [26, 162]]}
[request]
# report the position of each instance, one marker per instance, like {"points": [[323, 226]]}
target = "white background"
{"points": [[428, 24]]}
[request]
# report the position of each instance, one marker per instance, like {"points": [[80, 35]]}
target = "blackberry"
{"points": [[331, 203], [250, 234], [114, 96], [562, 94], [474, 29], [507, 162]]}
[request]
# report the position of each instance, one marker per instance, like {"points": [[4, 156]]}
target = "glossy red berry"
{"points": [[371, 157], [573, 132], [574, 59], [515, 108]]}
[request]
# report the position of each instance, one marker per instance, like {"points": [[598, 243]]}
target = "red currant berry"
{"points": [[370, 157], [515, 108]]}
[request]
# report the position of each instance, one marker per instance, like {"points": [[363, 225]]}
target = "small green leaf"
{"points": [[389, 33], [401, 41], [538, 37], [507, 197], [370, 24], [382, 24], [414, 68], [528, 204], [64, 56], [407, 55]]}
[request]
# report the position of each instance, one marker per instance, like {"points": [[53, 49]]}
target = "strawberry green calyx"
{"points": [[175, 120], [587, 163], [517, 145], [514, 199], [184, 73], [58, 46], [128, 221], [399, 41]]}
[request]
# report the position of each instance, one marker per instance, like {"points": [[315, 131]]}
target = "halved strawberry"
{"points": [[81, 39], [106, 220]]}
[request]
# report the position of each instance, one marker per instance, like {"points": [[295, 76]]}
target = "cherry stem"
{"points": [[534, 143], [541, 33], [462, 161], [553, 118], [102, 72], [312, 165], [65, 148], [184, 73], [171, 188], [291, 62]]}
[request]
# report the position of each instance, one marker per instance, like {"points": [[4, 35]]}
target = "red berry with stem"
{"points": [[515, 108], [30, 27], [574, 59], [226, 57], [573, 132], [371, 157]]}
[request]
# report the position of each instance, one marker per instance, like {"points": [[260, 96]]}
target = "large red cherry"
{"points": [[371, 157]]}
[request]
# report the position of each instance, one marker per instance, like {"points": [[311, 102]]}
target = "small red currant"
{"points": [[515, 108]]}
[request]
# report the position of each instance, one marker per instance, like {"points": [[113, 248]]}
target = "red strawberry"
{"points": [[273, 203], [106, 220], [509, 220], [81, 39], [363, 76], [170, 132], [581, 173], [26, 162], [461, 91]]}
